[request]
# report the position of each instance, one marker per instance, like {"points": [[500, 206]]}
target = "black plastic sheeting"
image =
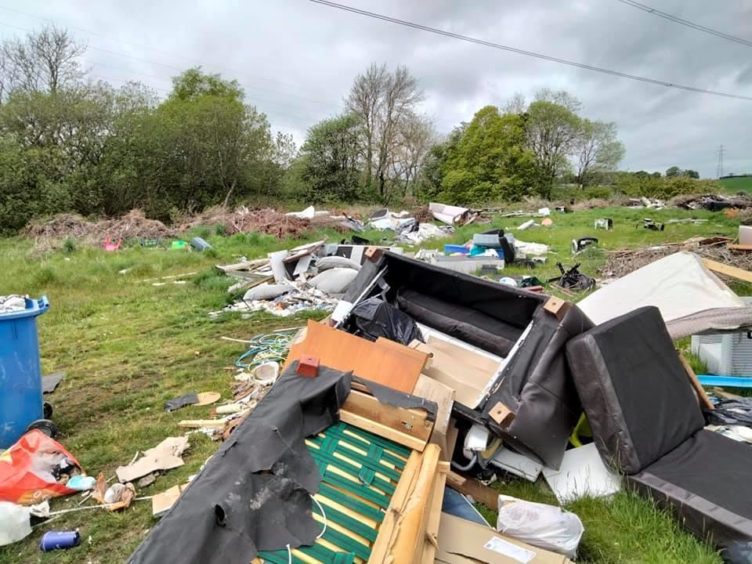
{"points": [[182, 401], [255, 492], [374, 318], [390, 396], [731, 412]]}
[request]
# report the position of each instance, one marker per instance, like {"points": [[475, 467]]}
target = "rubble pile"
{"points": [[133, 225], [244, 220], [621, 262]]}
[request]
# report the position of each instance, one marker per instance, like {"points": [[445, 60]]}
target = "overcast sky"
{"points": [[296, 60]]}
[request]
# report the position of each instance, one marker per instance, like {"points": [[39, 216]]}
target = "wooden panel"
{"points": [[732, 271], [443, 396], [389, 524], [384, 362], [382, 430], [739, 247], [413, 422], [480, 493], [412, 525], [434, 515]]}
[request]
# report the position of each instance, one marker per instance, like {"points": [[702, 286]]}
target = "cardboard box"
{"points": [[465, 542]]}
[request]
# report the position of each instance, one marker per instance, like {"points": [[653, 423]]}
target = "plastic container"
{"points": [[451, 249], [20, 373]]}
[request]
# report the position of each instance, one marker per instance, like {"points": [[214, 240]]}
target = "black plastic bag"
{"points": [[374, 318]]}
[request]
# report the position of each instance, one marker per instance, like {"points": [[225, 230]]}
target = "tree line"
{"points": [[72, 144]]}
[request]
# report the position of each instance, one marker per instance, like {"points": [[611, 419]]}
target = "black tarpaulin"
{"points": [[254, 493]]}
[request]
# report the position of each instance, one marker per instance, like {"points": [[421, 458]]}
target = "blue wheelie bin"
{"points": [[20, 371]]}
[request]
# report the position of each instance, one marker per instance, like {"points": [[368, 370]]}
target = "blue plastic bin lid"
{"points": [[33, 309]]}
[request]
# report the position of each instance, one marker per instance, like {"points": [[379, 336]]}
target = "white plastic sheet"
{"points": [[678, 285], [14, 522]]}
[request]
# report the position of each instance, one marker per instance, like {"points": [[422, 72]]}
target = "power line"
{"points": [[687, 23], [527, 53]]}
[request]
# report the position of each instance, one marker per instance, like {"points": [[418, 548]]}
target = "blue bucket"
{"points": [[20, 371]]}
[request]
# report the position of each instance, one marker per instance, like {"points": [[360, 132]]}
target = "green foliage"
{"points": [[328, 165], [489, 161], [641, 184]]}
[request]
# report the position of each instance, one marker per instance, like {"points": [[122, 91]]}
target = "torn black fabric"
{"points": [[182, 401], [390, 396], [254, 493]]}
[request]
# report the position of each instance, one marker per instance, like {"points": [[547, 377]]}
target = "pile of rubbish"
{"points": [[414, 229], [622, 262], [244, 220], [712, 202], [50, 233], [424, 387], [308, 277]]}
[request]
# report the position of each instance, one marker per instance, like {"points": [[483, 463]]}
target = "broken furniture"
{"points": [[529, 399], [647, 423]]}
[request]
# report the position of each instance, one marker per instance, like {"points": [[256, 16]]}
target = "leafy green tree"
{"points": [[489, 160], [595, 150], [329, 162], [551, 131], [673, 171]]}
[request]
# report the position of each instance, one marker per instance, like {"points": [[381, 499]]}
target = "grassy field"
{"points": [[737, 183], [127, 346]]}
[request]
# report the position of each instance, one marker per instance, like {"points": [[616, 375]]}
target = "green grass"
{"points": [[127, 346], [737, 183]]}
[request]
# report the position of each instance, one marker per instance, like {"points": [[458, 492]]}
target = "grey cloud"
{"points": [[297, 59]]}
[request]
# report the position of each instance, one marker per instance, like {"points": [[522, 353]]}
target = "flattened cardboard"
{"points": [[443, 395], [466, 372], [465, 542]]}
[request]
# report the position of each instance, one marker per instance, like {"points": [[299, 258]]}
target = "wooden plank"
{"points": [[727, 270], [393, 512], [411, 527], [443, 396], [480, 493], [738, 247], [701, 395], [382, 430], [434, 516], [384, 362], [413, 422], [197, 423]]}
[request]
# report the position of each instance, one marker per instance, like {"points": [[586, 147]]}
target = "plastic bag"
{"points": [[34, 469], [15, 522], [541, 525], [374, 318]]}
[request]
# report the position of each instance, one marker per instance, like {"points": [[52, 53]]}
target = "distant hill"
{"points": [[737, 183]]}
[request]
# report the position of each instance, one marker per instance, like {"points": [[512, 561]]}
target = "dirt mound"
{"points": [[72, 226], [244, 220]]}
